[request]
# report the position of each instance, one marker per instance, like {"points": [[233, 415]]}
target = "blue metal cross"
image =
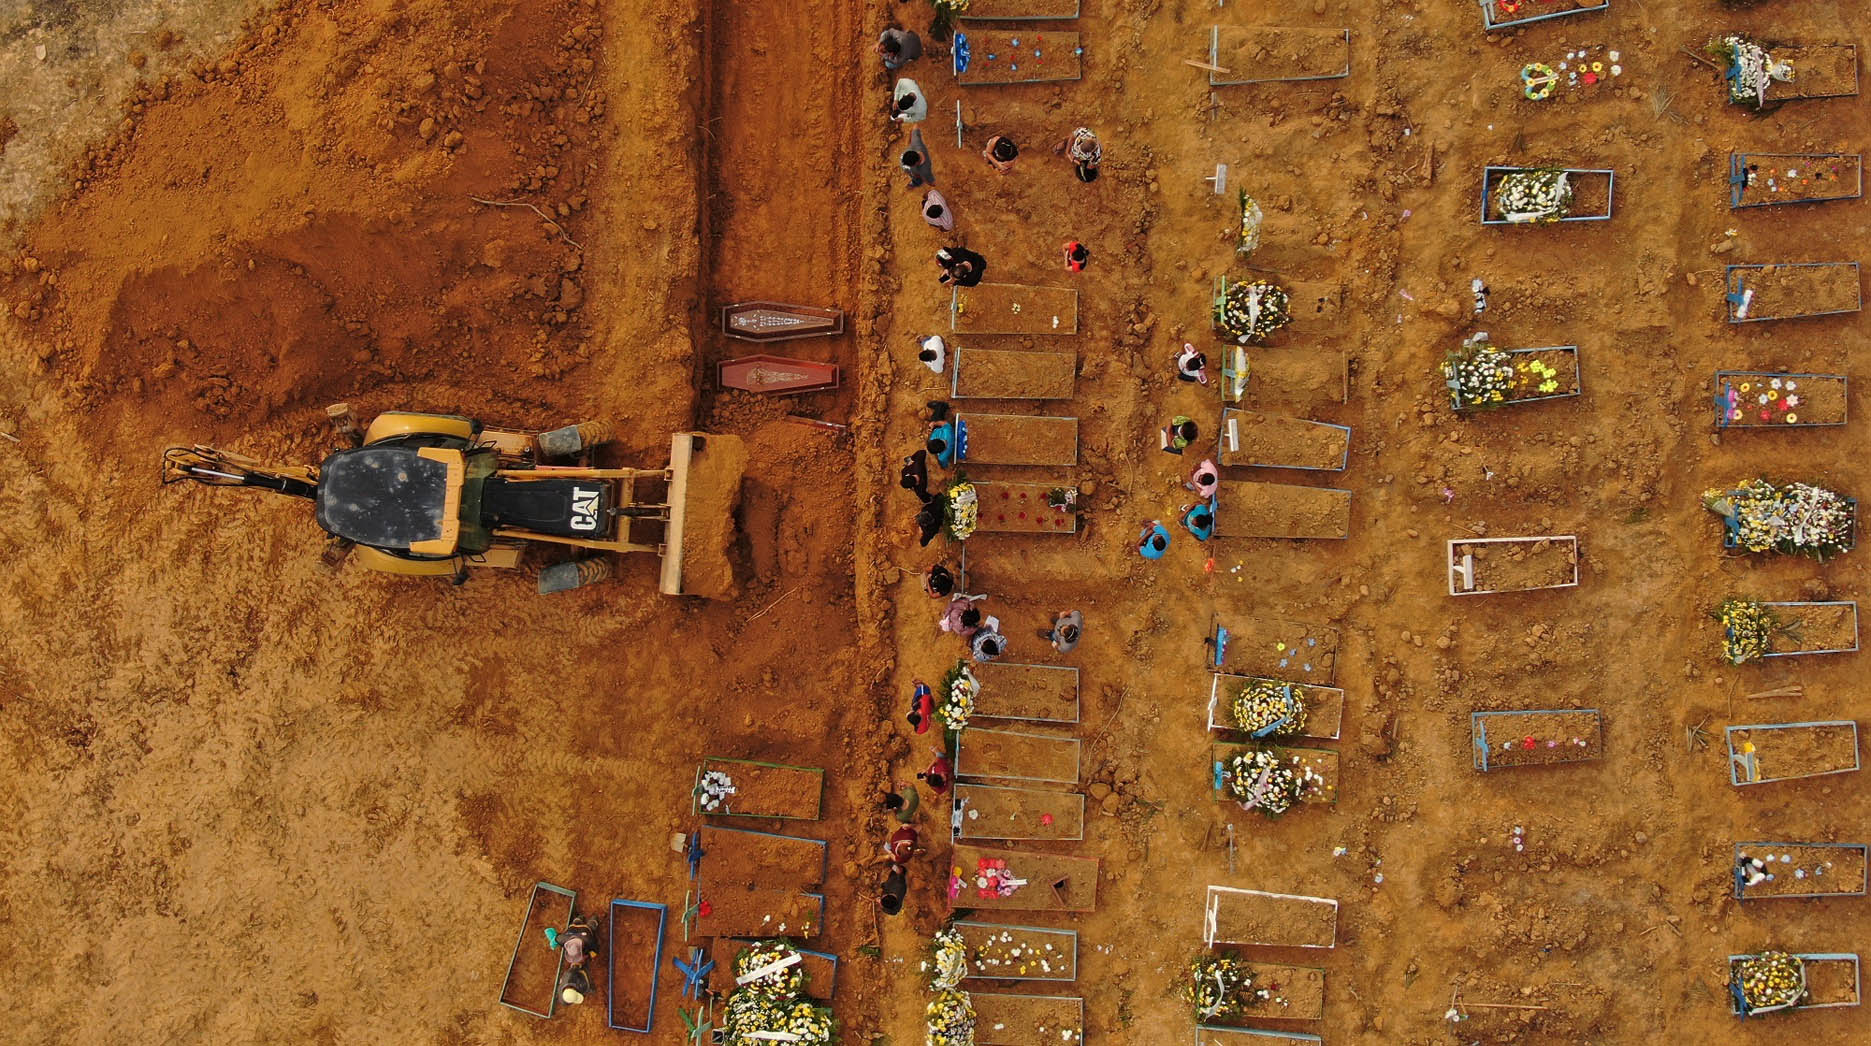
{"points": [[694, 973]]}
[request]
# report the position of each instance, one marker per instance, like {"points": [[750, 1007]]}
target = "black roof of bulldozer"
{"points": [[386, 496]]}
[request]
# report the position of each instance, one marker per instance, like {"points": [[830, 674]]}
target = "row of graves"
{"points": [[1761, 516], [1758, 516], [1273, 713], [754, 903], [1002, 970]]}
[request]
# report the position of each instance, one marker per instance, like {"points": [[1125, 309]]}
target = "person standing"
{"points": [[1155, 540], [899, 47], [1205, 480], [936, 211], [1066, 628], [915, 161], [907, 104], [933, 353]]}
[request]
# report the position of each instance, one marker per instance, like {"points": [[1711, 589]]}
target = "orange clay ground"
{"points": [[247, 800]]}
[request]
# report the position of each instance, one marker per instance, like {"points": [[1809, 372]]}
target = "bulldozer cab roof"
{"points": [[398, 497]]}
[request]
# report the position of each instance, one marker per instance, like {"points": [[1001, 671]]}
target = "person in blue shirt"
{"points": [[1200, 520], [942, 443], [1154, 541]]}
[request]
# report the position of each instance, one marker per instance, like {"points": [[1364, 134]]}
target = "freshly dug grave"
{"points": [[1791, 291], [770, 790], [1295, 993], [1296, 379], [1048, 693], [536, 966], [1266, 53], [1247, 509], [1792, 178], [992, 812], [1539, 738], [1518, 567], [1020, 439], [1281, 649], [1276, 441], [1008, 375], [1821, 71], [1015, 308], [1787, 752], [1250, 917], [1799, 869], [1028, 1020], [1000, 952], [1813, 628], [1017, 755]]}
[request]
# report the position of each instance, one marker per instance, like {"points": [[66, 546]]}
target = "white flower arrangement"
{"points": [[713, 791], [1797, 519], [1247, 237], [1543, 195], [1261, 781], [781, 983], [964, 510], [960, 690], [1262, 703], [756, 1019], [951, 960], [1751, 70], [1478, 375], [1251, 312], [951, 1019]]}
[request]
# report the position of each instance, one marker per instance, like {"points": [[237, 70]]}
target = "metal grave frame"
{"points": [[1738, 178], [610, 962], [1734, 286], [1489, 173], [1743, 763], [1721, 403], [1741, 893]]}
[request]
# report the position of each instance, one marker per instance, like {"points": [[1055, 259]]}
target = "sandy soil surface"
{"points": [[249, 839]]}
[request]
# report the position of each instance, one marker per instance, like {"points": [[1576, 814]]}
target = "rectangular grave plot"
{"points": [[735, 858], [1221, 1035], [1324, 706], [1251, 509], [1022, 508], [1318, 768], [1021, 10], [773, 790], [1003, 374], [997, 812], [1277, 648], [998, 951], [1285, 379], [1316, 307], [1763, 752], [1251, 438], [1592, 193], [1772, 179], [1496, 14], [1823, 71], [1791, 290], [533, 971], [1012, 755], [761, 912], [1050, 882], [1535, 738], [634, 959], [999, 56], [1018, 439], [1277, 920], [1832, 980], [1807, 627], [1295, 993], [1037, 693], [1821, 399], [1027, 1020], [1261, 54], [1802, 870], [1491, 566], [820, 968], [1013, 308]]}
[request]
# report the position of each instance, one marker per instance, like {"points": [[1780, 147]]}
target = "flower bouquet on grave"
{"points": [[1247, 236], [961, 504], [950, 962], [1261, 781], [1216, 986], [1771, 980], [1478, 375], [1252, 311], [959, 691], [1268, 703], [758, 1019], [783, 983], [1797, 519], [1747, 630], [713, 790], [1543, 195], [1749, 69], [950, 1019]]}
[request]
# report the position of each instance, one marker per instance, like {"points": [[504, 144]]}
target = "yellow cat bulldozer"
{"points": [[435, 494]]}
